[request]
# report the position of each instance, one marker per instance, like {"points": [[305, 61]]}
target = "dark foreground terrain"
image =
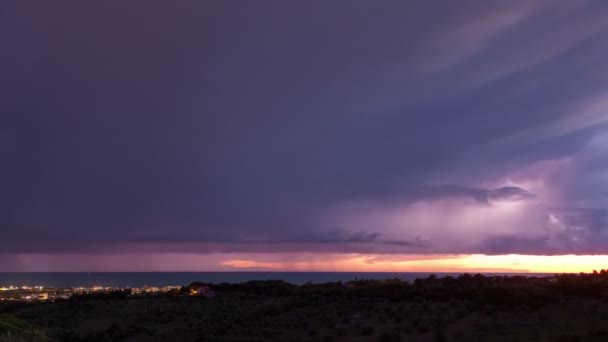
{"points": [[564, 308]]}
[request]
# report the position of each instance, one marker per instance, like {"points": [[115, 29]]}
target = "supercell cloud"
{"points": [[350, 127]]}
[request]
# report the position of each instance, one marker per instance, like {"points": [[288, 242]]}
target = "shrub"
{"points": [[600, 332], [390, 337], [13, 329], [440, 336], [366, 330], [20, 338], [568, 338]]}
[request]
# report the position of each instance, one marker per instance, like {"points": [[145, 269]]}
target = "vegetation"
{"points": [[13, 329], [464, 308]]}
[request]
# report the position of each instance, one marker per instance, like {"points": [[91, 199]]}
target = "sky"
{"points": [[310, 135]]}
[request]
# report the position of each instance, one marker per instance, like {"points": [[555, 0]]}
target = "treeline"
{"points": [[503, 292]]}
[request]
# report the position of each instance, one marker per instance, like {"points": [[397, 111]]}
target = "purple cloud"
{"points": [[310, 126]]}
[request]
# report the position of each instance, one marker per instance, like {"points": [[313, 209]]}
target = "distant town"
{"points": [[42, 293]]}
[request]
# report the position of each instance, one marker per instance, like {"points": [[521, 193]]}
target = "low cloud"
{"points": [[485, 196], [456, 219]]}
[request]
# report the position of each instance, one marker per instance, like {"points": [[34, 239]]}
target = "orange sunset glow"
{"points": [[437, 263], [315, 262]]}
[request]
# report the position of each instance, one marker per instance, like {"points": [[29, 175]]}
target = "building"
{"points": [[203, 291]]}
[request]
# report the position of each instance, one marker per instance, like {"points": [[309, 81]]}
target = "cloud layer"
{"points": [[384, 127]]}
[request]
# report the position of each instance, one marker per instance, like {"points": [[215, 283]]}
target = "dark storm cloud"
{"points": [[596, 220], [504, 244], [485, 196], [566, 230], [341, 237], [126, 122]]}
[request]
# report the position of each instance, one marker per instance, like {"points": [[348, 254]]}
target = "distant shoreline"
{"points": [[139, 279]]}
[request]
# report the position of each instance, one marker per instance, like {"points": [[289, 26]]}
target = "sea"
{"points": [[140, 279]]}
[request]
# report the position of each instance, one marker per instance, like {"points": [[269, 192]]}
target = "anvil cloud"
{"points": [[282, 130]]}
